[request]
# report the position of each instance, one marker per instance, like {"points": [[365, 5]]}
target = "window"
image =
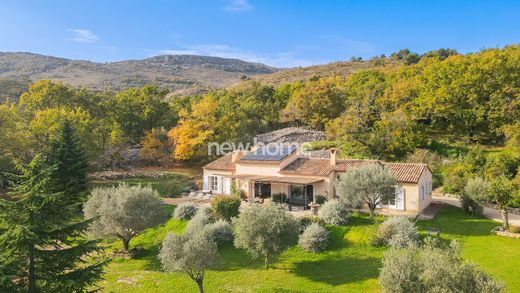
{"points": [[213, 183], [302, 192], [422, 192]]}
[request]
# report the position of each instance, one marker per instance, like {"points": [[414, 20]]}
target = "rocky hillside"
{"points": [[343, 68], [183, 74]]}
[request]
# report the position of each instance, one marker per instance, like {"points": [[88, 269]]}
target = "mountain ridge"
{"points": [[182, 74]]}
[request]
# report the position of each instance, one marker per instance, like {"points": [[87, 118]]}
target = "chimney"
{"points": [[235, 156], [333, 157]]}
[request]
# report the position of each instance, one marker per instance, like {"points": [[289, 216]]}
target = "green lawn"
{"points": [[168, 185], [350, 264]]}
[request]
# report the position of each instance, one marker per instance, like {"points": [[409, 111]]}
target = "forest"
{"points": [[409, 107]]}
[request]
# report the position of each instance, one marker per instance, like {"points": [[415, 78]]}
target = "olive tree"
{"points": [[371, 185], [502, 191], [473, 195], [191, 253], [265, 231], [123, 211]]}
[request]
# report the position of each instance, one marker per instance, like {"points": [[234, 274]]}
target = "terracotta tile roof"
{"points": [[222, 163], [403, 172], [345, 165], [406, 172]]}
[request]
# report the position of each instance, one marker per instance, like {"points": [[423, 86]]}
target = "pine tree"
{"points": [[40, 249], [71, 163]]}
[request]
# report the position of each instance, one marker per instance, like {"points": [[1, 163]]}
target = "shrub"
{"points": [[200, 220], [279, 197], [185, 211], [220, 231], [334, 212], [397, 232], [315, 238], [225, 207], [400, 271], [432, 268], [469, 205], [320, 199], [308, 220]]}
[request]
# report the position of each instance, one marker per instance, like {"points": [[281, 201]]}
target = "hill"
{"points": [[342, 68], [183, 74]]}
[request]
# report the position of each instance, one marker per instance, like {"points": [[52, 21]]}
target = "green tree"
{"points": [[371, 185], [440, 53], [315, 103], [265, 231], [39, 233], [15, 139], [71, 163], [394, 137], [138, 110]]}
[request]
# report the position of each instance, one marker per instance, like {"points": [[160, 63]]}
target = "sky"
{"points": [[279, 33]]}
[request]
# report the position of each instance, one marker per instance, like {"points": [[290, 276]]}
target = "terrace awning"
{"points": [[279, 179]]}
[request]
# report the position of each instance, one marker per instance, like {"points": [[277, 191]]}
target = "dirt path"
{"points": [[488, 212]]}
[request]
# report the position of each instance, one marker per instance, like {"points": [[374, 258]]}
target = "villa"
{"points": [[260, 173]]}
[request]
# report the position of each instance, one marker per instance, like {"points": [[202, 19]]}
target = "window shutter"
{"points": [[205, 182], [219, 184], [227, 186]]}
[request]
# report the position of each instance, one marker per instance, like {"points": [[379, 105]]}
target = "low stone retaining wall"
{"points": [[507, 234]]}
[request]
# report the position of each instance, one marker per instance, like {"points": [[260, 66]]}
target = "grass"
{"points": [[496, 255], [350, 264], [168, 185]]}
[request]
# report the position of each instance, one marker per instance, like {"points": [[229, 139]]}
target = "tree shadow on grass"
{"points": [[231, 258], [341, 270], [337, 239]]}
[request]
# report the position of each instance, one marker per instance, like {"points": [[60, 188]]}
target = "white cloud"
{"points": [[83, 36], [238, 5], [280, 59]]}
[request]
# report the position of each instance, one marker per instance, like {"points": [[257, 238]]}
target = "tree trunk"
{"points": [[126, 244], [32, 275], [199, 283], [266, 262], [372, 214], [505, 217]]}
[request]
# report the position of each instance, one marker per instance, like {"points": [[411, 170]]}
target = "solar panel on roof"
{"points": [[272, 153]]}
